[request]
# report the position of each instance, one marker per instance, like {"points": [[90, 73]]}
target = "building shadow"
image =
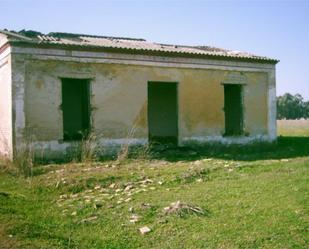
{"points": [[285, 147]]}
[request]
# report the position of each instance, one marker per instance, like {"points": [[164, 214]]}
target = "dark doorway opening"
{"points": [[75, 108], [233, 109], [163, 113]]}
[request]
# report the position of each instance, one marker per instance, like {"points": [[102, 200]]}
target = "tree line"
{"points": [[292, 107]]}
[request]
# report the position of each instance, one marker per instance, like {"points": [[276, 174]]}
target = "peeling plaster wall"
{"points": [[5, 107], [119, 99]]}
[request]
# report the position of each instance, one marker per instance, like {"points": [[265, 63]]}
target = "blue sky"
{"points": [[278, 29]]}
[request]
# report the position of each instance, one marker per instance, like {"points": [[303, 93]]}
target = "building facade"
{"points": [[57, 88]]}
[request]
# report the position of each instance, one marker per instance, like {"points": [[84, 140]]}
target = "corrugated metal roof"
{"points": [[128, 44]]}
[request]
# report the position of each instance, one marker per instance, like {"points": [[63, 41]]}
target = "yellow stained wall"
{"points": [[119, 99]]}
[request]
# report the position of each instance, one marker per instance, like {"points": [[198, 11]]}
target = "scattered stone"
{"points": [[146, 205], [128, 199], [182, 209], [92, 218], [160, 182], [131, 209], [74, 213], [87, 169], [144, 230], [129, 187], [118, 190], [97, 187], [112, 185], [198, 162], [134, 218], [63, 196], [199, 180], [146, 181]]}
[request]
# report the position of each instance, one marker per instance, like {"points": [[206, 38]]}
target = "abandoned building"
{"points": [[59, 87]]}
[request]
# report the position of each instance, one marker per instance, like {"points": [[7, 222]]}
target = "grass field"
{"points": [[293, 127], [236, 197]]}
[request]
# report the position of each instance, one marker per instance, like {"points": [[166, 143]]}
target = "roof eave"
{"points": [[141, 51]]}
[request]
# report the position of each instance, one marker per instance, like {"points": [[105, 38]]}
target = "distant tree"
{"points": [[292, 107]]}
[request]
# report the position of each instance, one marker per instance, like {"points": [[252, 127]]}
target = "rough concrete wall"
{"points": [[18, 103], [119, 99], [5, 107], [255, 104], [42, 102]]}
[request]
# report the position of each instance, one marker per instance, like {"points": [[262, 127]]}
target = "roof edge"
{"points": [[141, 51]]}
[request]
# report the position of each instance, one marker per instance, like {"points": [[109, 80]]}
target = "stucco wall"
{"points": [[5, 107], [119, 99], [119, 96]]}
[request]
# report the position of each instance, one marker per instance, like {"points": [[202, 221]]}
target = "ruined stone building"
{"points": [[59, 87]]}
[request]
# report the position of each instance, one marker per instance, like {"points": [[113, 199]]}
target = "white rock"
{"points": [[112, 185], [134, 218], [127, 188], [144, 230]]}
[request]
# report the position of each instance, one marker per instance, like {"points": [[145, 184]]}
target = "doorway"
{"points": [[163, 113], [233, 108], [75, 108]]}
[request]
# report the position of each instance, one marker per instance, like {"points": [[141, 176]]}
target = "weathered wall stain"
{"points": [[39, 83], [119, 98]]}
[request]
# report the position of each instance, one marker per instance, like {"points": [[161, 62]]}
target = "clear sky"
{"points": [[277, 29]]}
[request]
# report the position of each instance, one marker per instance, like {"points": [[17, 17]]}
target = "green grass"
{"points": [[253, 197]]}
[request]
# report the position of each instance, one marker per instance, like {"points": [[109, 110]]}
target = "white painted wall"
{"points": [[5, 107]]}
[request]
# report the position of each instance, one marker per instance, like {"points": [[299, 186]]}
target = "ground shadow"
{"points": [[285, 147]]}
